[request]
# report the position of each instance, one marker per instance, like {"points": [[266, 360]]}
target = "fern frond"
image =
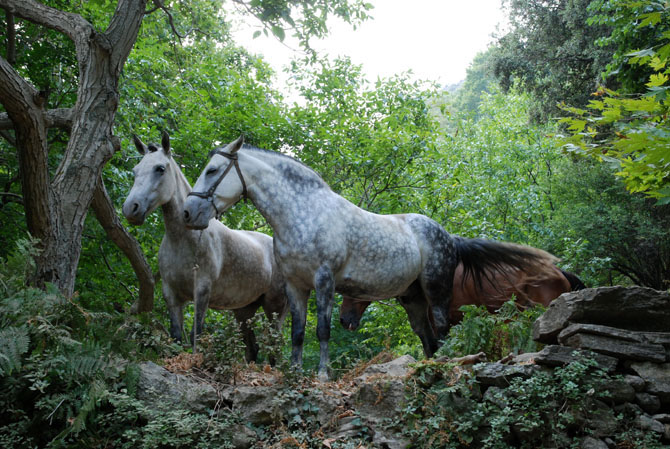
{"points": [[96, 392], [14, 342]]}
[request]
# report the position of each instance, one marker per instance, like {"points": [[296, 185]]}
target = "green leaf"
{"points": [[279, 32], [256, 34], [657, 79]]}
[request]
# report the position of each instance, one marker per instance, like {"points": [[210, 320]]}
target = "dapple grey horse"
{"points": [[325, 243], [236, 269]]}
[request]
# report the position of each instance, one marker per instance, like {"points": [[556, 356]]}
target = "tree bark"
{"points": [[56, 209]]}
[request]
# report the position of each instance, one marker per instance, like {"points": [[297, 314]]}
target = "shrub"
{"points": [[495, 334]]}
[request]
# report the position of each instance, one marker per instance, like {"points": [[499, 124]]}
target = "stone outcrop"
{"points": [[626, 331], [633, 308]]}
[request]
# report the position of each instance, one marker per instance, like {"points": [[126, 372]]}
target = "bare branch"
{"points": [[11, 197], [159, 4], [55, 118]]}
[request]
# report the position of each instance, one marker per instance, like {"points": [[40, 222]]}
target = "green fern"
{"points": [[14, 342]]}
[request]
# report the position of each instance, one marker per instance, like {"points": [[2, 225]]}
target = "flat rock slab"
{"points": [[660, 338], [554, 355], [629, 350], [631, 308]]}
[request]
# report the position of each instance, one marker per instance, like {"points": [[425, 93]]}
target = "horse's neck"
{"points": [[173, 210], [276, 196]]}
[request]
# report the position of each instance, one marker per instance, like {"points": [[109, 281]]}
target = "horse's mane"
{"points": [[299, 169]]}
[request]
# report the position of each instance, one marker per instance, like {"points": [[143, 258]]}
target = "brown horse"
{"points": [[495, 288]]}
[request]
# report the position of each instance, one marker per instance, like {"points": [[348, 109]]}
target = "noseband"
{"points": [[209, 194]]}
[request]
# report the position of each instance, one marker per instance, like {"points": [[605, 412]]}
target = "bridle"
{"points": [[209, 194]]}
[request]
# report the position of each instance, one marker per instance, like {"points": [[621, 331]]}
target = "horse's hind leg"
{"points": [[243, 317], [419, 314], [437, 282]]}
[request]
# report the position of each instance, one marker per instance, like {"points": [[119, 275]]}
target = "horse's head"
{"points": [[219, 186], [351, 312], [154, 183]]}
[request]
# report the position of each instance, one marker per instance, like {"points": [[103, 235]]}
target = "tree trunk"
{"points": [[56, 209]]}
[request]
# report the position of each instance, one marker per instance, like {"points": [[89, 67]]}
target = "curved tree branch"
{"points": [[72, 25], [109, 220]]}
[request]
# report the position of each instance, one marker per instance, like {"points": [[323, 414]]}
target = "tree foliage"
{"points": [[552, 52], [629, 129]]}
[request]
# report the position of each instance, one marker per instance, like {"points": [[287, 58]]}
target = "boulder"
{"points": [[158, 386], [631, 308], [593, 443], [635, 381], [648, 402], [380, 398], [619, 390], [656, 377], [499, 375], [259, 405], [645, 422], [395, 368]]}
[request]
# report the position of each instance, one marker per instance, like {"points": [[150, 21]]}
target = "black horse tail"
{"points": [[479, 257], [575, 282]]}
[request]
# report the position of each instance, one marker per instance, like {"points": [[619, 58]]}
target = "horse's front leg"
{"points": [[297, 300], [175, 312], [324, 284], [201, 301]]}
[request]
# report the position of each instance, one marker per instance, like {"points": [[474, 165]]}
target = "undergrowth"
{"points": [[68, 376], [508, 330], [447, 408]]}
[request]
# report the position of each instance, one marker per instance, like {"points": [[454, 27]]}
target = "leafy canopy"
{"points": [[630, 130]]}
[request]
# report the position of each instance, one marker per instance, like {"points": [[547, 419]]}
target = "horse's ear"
{"points": [[141, 147], [236, 145], [165, 142]]}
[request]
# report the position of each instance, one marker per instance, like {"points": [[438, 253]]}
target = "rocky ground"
{"points": [[626, 331]]}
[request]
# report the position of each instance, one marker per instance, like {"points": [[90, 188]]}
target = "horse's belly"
{"points": [[378, 280]]}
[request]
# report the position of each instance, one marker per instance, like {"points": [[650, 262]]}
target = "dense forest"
{"points": [[558, 138]]}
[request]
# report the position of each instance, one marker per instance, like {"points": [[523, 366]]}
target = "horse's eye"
{"points": [[211, 171], [160, 169]]}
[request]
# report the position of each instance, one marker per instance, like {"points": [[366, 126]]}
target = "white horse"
{"points": [[325, 243], [236, 269]]}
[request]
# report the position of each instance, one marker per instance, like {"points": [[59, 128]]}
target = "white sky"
{"points": [[436, 39]]}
